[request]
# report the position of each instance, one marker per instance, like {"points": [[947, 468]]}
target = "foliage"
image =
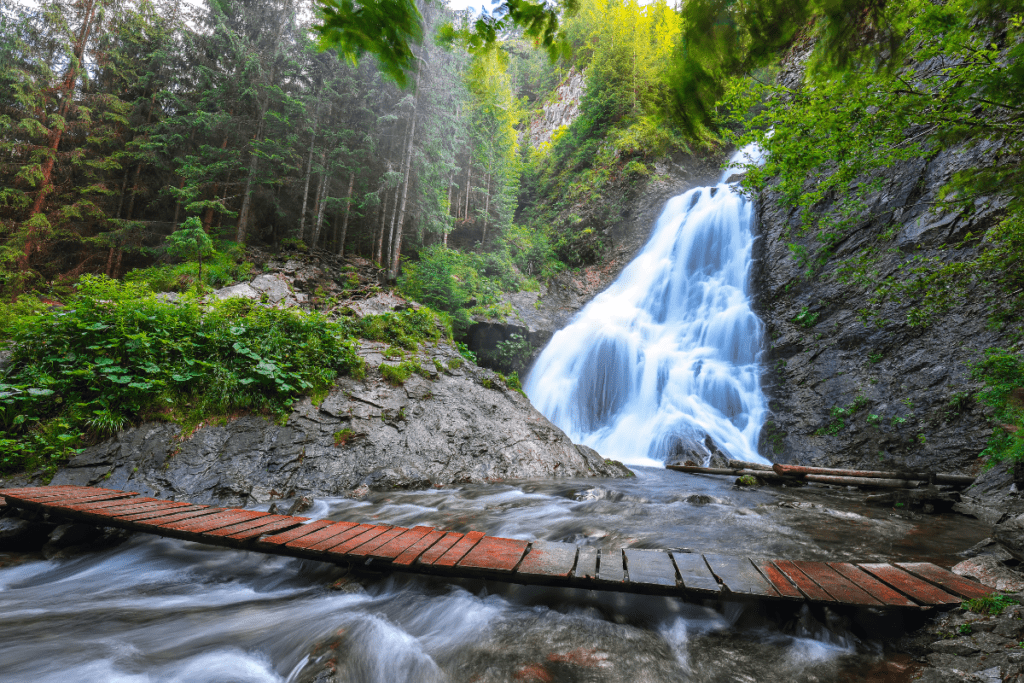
{"points": [[190, 242], [408, 328], [838, 415], [1003, 374], [992, 605], [509, 355], [464, 351], [225, 266], [116, 355], [343, 436], [397, 374], [384, 28]]}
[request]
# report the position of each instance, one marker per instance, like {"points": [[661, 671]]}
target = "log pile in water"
{"points": [[860, 478]]}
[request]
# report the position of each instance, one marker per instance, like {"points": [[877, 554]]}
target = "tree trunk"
{"points": [[469, 180], [383, 224], [487, 208], [309, 172], [208, 216], [321, 201], [396, 240], [344, 222]]}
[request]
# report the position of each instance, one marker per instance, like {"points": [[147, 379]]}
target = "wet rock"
{"points": [[301, 504], [365, 434], [22, 534], [992, 675], [70, 539], [991, 571]]}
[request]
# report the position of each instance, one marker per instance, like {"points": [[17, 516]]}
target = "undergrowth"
{"points": [[1003, 374]]}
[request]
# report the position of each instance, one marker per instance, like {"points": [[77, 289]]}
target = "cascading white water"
{"points": [[668, 354]]}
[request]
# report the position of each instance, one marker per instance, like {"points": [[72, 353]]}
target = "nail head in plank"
{"points": [[870, 584], [397, 546], [739, 576], [344, 546], [496, 554], [806, 584], [460, 549], [327, 531], [549, 558], [946, 579], [910, 585], [286, 537], [650, 567], [586, 563], [425, 543], [272, 528], [836, 585], [695, 573], [443, 544], [371, 545], [782, 585], [610, 567]]}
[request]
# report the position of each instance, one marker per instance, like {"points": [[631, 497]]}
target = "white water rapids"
{"points": [[668, 354]]}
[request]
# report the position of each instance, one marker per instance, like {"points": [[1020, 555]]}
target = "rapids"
{"points": [[668, 354]]}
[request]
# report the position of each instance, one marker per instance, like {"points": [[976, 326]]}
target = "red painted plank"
{"points": [[49, 493], [871, 585], [371, 545], [439, 548], [778, 580], [910, 585], [958, 585], [175, 516], [70, 498], [204, 524], [286, 537], [161, 513], [144, 507], [738, 575], [495, 554], [459, 550], [836, 585], [806, 585], [396, 547], [549, 559], [273, 527], [104, 507], [342, 532], [330, 531], [247, 525], [425, 543], [347, 545]]}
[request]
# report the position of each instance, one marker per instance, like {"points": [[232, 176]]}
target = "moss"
{"points": [[342, 437], [748, 480]]}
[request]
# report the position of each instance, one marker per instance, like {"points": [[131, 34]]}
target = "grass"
{"points": [[991, 605]]}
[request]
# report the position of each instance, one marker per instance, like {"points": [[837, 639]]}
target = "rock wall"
{"points": [[561, 111], [458, 424], [906, 391]]}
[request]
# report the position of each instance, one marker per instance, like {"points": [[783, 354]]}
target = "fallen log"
{"points": [[741, 465], [800, 470], [763, 474], [864, 482]]}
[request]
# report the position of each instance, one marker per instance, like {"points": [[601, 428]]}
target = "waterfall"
{"points": [[668, 354]]}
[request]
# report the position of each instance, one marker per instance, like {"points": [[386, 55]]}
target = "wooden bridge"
{"points": [[425, 550]]}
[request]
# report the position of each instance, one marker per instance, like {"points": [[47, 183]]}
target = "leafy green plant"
{"points": [[876, 357], [464, 352], [991, 604], [190, 242], [897, 421], [805, 318], [408, 328], [343, 436]]}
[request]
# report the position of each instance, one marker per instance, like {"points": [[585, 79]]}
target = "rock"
{"points": [[301, 504], [365, 435], [989, 570], [18, 534], [957, 676], [70, 539]]}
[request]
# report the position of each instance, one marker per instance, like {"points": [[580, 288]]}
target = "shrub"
{"points": [[407, 329], [1003, 374], [116, 355]]}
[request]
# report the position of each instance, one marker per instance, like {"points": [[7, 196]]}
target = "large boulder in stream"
{"points": [[457, 423]]}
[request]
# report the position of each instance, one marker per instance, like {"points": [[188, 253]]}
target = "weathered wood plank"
{"points": [[369, 546], [586, 563], [413, 552], [397, 546], [51, 495], [128, 504], [908, 584], [548, 558], [495, 554], [101, 506], [871, 585], [155, 513], [739, 576], [443, 544], [459, 550], [145, 507], [610, 567], [328, 532], [286, 537], [947, 580], [694, 572], [650, 567], [347, 545], [247, 525], [805, 583], [835, 584], [782, 585], [150, 522], [209, 523], [71, 498], [271, 528]]}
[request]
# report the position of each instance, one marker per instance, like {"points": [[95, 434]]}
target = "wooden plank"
{"points": [[871, 585], [439, 548], [72, 497], [272, 528], [286, 537], [694, 572], [369, 546], [196, 513], [586, 563], [413, 552], [347, 545], [155, 513], [397, 546], [495, 554], [908, 584], [547, 558], [147, 507], [324, 533], [650, 567], [782, 585], [247, 525], [806, 584], [738, 575], [836, 585], [208, 523], [105, 507], [943, 578], [459, 550], [610, 567], [48, 494]]}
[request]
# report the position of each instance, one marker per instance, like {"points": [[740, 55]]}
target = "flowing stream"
{"points": [[668, 354]]}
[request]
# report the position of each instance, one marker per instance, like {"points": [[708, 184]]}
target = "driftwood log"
{"points": [[823, 475], [800, 470]]}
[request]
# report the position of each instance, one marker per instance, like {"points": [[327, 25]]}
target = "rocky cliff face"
{"points": [[456, 424], [881, 396], [561, 111]]}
